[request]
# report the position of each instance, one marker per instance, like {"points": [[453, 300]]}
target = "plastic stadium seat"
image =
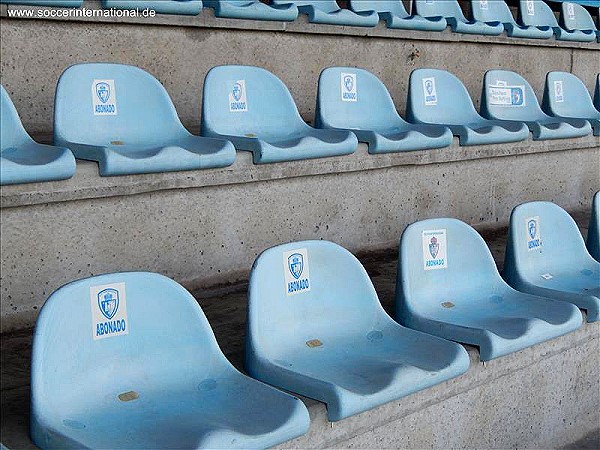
{"points": [[566, 96], [354, 99], [316, 327], [438, 97], [22, 160], [59, 3], [186, 7], [574, 18], [395, 15], [328, 12], [128, 360], [252, 9], [508, 96], [593, 237], [123, 118], [448, 285], [536, 13], [546, 255], [450, 10], [494, 12], [252, 108]]}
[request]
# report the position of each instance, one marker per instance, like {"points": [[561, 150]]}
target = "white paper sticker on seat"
{"points": [[296, 270], [104, 98], [503, 95], [429, 92], [530, 8], [571, 11], [237, 97], [558, 92], [434, 249], [483, 4], [533, 233], [109, 310], [348, 87]]}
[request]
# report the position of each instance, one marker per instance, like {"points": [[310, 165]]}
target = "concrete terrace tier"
{"points": [[545, 396]]}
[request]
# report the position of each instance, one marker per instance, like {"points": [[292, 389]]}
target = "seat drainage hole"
{"points": [[314, 343], [76, 425], [448, 305], [128, 396]]}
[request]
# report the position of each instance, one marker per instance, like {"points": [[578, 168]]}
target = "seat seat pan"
{"points": [[186, 7], [458, 26], [490, 132], [415, 137], [530, 32], [575, 35], [414, 22], [33, 162], [340, 17], [254, 10], [551, 128]]}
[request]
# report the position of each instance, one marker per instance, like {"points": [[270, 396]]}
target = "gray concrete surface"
{"points": [[202, 235], [546, 396]]}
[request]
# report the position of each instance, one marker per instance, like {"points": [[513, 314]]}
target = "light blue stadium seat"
{"points": [[356, 100], [536, 13], [316, 327], [59, 3], [495, 12], [22, 160], [438, 97], [395, 15], [448, 285], [183, 7], [252, 108], [593, 237], [328, 12], [129, 361], [252, 9], [546, 255], [450, 10], [574, 18], [565, 95], [508, 96], [123, 118]]}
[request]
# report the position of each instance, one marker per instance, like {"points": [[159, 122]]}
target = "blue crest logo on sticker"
{"points": [[429, 87], [532, 228], [348, 83], [516, 94], [108, 302], [237, 92], [434, 247], [103, 91], [296, 265]]}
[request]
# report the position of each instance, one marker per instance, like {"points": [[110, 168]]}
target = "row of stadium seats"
{"points": [[128, 360], [535, 19], [123, 118]]}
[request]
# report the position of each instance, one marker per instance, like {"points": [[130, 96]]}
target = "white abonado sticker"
{"points": [[109, 310], [104, 98], [237, 97], [348, 87], [435, 251], [296, 270]]}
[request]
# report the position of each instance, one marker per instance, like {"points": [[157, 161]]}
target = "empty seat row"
{"points": [[128, 360], [123, 118], [535, 20]]}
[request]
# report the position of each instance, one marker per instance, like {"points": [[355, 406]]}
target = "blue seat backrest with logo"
{"points": [[536, 13], [186, 7], [593, 237], [546, 255], [118, 359], [451, 11], [448, 285], [316, 327], [252, 9], [396, 16], [497, 11], [329, 12], [565, 95], [22, 159], [575, 19], [65, 3]]}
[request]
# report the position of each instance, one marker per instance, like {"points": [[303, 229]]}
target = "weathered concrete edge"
{"points": [[207, 19], [478, 374], [87, 184]]}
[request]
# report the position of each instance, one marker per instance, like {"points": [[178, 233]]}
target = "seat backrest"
{"points": [[99, 103], [437, 96], [327, 6], [575, 17], [542, 238], [508, 96], [12, 132], [116, 332], [244, 100], [565, 95], [439, 8], [394, 7], [491, 11], [354, 98], [439, 260], [315, 289], [536, 13]]}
